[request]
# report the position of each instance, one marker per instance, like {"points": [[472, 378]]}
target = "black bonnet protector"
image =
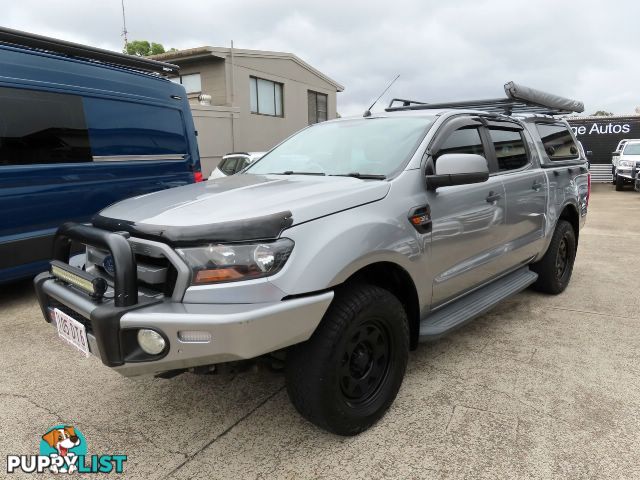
{"points": [[267, 227]]}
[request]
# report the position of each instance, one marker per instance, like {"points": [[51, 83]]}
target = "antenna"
{"points": [[124, 29], [367, 112]]}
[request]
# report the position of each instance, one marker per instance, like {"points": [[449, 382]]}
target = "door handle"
{"points": [[536, 186], [493, 197]]}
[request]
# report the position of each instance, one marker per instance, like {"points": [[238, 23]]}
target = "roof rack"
{"points": [[53, 45], [520, 99]]}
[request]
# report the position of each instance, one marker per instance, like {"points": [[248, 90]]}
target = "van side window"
{"points": [[558, 142], [510, 150], [41, 128], [129, 128], [464, 140]]}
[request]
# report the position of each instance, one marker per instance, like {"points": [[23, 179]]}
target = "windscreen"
{"points": [[368, 146], [632, 149]]}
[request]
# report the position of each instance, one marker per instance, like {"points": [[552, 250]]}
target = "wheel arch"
{"points": [[395, 279], [571, 215]]}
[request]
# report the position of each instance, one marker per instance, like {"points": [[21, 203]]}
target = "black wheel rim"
{"points": [[365, 362], [563, 257]]}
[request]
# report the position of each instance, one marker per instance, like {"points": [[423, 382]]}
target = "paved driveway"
{"points": [[541, 387]]}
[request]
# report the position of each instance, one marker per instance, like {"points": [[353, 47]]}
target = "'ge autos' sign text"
{"points": [[601, 128]]}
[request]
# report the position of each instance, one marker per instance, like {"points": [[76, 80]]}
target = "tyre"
{"points": [[619, 183], [345, 377], [555, 268], [613, 175]]}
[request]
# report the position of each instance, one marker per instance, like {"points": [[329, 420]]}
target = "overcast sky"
{"points": [[451, 50]]}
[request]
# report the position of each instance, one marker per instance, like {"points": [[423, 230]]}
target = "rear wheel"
{"points": [[555, 268], [345, 377]]}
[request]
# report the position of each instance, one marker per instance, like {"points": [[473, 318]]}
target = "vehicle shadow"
{"points": [[18, 291]]}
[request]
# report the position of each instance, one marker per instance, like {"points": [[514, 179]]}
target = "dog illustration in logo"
{"points": [[63, 439]]}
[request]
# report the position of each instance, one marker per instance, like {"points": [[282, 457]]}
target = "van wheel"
{"points": [[555, 268], [345, 377], [619, 183]]}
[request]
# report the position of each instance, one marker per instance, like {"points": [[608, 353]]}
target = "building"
{"points": [[601, 135], [249, 100]]}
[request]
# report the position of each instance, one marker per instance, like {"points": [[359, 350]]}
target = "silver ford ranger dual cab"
{"points": [[334, 254]]}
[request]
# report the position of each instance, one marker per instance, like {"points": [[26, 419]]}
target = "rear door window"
{"points": [[558, 142], [119, 128], [511, 153], [42, 128]]}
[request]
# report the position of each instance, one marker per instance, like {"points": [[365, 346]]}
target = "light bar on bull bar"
{"points": [[94, 286]]}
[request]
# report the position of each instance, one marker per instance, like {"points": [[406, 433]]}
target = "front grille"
{"points": [[53, 303], [156, 274]]}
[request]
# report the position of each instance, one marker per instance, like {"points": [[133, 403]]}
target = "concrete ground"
{"points": [[541, 387]]}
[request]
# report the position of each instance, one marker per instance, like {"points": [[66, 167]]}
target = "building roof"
{"points": [[223, 52]]}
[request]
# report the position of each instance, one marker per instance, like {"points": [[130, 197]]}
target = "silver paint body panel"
{"points": [[341, 225]]}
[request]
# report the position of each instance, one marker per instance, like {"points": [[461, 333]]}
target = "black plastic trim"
{"points": [[267, 227]]}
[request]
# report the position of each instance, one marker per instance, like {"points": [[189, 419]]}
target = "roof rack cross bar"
{"points": [[520, 99], [53, 45]]}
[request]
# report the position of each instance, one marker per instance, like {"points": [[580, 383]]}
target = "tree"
{"points": [[143, 48], [602, 113]]}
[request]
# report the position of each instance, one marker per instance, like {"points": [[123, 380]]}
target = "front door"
{"points": [[468, 221]]}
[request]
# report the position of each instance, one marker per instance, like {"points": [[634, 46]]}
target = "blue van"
{"points": [[81, 128]]}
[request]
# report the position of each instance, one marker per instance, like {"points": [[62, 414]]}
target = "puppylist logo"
{"points": [[63, 449]]}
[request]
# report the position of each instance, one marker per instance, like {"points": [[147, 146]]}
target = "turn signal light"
{"points": [[218, 275]]}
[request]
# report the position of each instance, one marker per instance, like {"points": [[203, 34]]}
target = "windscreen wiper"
{"points": [[291, 172], [364, 176]]}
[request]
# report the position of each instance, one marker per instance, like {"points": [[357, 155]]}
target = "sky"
{"points": [[454, 50]]}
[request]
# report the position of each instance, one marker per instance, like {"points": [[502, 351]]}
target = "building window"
{"points": [[317, 107], [190, 82], [266, 97]]}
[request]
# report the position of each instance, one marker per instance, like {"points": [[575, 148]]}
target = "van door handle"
{"points": [[493, 197], [536, 186]]}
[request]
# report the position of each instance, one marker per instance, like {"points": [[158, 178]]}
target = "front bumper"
{"points": [[224, 332], [629, 173], [237, 331]]}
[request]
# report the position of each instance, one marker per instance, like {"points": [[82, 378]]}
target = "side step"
{"points": [[461, 311]]}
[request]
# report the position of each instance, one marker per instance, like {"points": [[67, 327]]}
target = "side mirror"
{"points": [[458, 169], [617, 152]]}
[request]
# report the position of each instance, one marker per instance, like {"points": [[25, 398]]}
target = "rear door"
{"points": [[468, 220], [526, 191]]}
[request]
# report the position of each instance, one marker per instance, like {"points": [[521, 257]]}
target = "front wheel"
{"points": [[555, 268], [345, 377], [619, 183]]}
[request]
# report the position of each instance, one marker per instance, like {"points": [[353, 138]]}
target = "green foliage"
{"points": [[143, 48], [602, 113]]}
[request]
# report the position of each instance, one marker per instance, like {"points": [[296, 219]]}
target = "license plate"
{"points": [[72, 331]]}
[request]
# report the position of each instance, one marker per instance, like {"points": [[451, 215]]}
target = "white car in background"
{"points": [[628, 166], [615, 158], [232, 163]]}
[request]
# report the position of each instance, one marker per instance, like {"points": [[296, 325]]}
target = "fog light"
{"points": [[151, 341], [194, 336]]}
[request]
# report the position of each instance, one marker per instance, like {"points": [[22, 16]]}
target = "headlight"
{"points": [[231, 263], [625, 163]]}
